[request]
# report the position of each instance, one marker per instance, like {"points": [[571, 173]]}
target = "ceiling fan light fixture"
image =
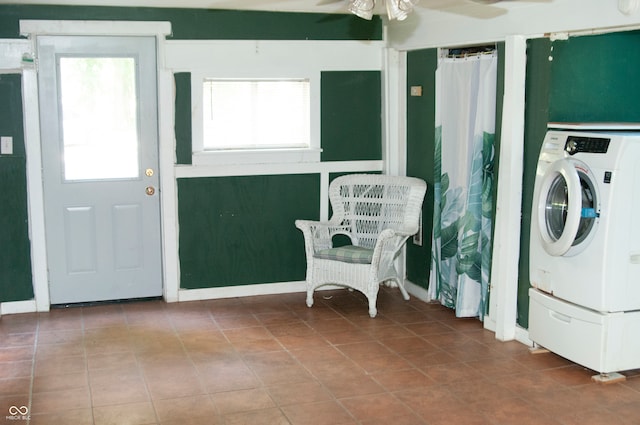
{"points": [[396, 9], [362, 8], [400, 9]]}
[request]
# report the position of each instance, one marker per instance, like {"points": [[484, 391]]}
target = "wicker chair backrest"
{"points": [[369, 203]]}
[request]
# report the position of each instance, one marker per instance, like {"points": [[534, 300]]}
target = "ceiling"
{"points": [[474, 8]]}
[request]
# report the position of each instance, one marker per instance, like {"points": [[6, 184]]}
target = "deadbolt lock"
{"points": [[149, 172]]}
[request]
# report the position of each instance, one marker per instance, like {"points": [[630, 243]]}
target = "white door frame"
{"points": [[168, 215]]}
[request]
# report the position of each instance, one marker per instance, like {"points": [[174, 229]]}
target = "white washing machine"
{"points": [[584, 260], [585, 221]]}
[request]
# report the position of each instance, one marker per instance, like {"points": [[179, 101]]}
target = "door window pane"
{"points": [[99, 118]]}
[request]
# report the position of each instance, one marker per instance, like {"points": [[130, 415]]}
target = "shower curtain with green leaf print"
{"points": [[464, 152]]}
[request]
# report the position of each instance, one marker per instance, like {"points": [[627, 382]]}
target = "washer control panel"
{"points": [[578, 144]]}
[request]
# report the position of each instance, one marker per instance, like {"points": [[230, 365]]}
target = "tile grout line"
{"points": [[139, 367], [86, 358], [33, 368]]}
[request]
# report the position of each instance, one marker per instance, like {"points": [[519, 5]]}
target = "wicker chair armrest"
{"points": [[388, 247], [388, 236], [318, 234]]}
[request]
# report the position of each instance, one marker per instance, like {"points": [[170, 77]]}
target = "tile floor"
{"points": [[271, 360]]}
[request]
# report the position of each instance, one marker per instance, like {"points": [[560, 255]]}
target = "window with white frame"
{"points": [[256, 114]]}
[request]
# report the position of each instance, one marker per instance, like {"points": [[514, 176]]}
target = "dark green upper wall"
{"points": [[595, 78], [351, 115], [209, 24]]}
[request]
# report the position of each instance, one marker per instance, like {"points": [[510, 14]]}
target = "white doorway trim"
{"points": [[168, 215], [505, 258]]}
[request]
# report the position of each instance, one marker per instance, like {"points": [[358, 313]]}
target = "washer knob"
{"points": [[571, 147]]}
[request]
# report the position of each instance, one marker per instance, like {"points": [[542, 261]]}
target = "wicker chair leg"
{"points": [[404, 292], [309, 297], [373, 311]]}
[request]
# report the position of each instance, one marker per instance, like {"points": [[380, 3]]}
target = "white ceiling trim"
{"points": [[125, 28]]}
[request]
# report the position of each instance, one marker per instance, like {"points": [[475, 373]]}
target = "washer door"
{"points": [[567, 207]]}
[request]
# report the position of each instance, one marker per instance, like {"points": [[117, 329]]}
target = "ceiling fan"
{"points": [[400, 9]]}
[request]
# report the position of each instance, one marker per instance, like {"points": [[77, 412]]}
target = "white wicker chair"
{"points": [[378, 213]]}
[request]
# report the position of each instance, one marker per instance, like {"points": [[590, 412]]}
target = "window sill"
{"points": [[258, 156]]}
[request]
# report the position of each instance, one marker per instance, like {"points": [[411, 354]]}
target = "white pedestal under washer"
{"points": [[604, 342]]}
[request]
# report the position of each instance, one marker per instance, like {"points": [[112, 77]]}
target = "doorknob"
{"points": [[150, 190]]}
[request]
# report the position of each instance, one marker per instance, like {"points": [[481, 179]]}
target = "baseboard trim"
{"points": [[522, 335], [246, 290], [417, 291], [239, 291], [271, 289], [18, 307]]}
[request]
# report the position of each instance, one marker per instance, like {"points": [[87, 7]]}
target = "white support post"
{"points": [[35, 189], [506, 247], [394, 112]]}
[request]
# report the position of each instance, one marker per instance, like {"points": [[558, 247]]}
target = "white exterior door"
{"points": [[99, 130]]}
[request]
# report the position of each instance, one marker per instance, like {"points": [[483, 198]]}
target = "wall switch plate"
{"points": [[6, 145]]}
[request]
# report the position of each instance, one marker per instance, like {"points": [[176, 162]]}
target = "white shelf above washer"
{"points": [[615, 126]]}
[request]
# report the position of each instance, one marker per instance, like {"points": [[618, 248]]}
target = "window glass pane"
{"points": [[256, 114], [99, 118]]}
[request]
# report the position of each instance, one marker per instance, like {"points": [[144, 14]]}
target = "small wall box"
{"points": [[6, 145]]}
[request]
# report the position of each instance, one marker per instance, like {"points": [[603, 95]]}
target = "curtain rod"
{"points": [[464, 52]]}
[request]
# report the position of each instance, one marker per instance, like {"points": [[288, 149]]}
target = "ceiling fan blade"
{"points": [[464, 7], [501, 1], [479, 9]]}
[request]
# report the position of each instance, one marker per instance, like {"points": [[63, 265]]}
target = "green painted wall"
{"points": [[194, 24], [15, 259], [595, 78], [421, 113], [183, 118], [240, 230], [536, 118], [351, 115]]}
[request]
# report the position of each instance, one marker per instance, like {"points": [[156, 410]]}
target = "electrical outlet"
{"points": [[6, 145]]}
